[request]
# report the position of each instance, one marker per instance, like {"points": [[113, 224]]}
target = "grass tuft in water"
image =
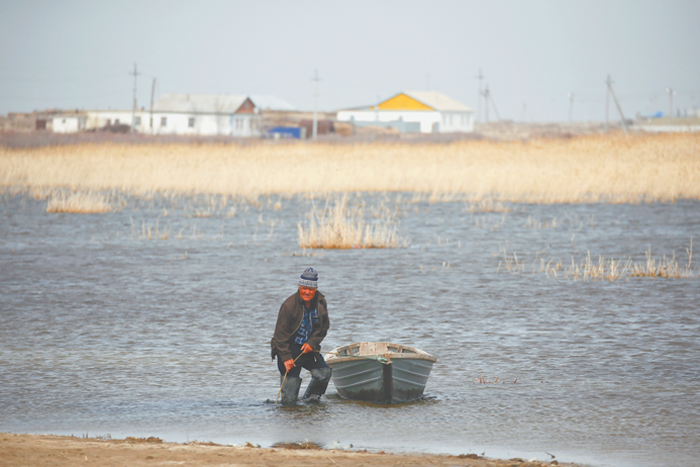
{"points": [[82, 203], [339, 226], [603, 269]]}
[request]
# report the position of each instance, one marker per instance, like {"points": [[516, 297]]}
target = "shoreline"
{"points": [[64, 451]]}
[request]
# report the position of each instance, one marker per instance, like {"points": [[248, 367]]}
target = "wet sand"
{"points": [[60, 451]]}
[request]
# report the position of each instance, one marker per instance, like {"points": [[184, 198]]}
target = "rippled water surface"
{"points": [[103, 330]]}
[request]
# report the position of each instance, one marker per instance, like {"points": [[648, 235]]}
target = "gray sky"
{"points": [[78, 54]]}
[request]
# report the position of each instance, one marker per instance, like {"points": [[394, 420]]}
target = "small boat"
{"points": [[380, 372]]}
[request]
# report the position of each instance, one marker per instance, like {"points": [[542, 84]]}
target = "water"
{"points": [[104, 331]]}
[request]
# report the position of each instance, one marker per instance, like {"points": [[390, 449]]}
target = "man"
{"points": [[302, 324]]}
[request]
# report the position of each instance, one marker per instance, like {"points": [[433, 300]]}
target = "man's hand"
{"points": [[306, 348], [289, 364]]}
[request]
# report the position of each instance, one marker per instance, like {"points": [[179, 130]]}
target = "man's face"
{"points": [[307, 293]]}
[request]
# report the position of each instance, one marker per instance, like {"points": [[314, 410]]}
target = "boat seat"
{"points": [[373, 348]]}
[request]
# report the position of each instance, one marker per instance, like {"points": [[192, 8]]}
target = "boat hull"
{"points": [[401, 377]]}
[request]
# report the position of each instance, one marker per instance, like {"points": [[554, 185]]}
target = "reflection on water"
{"points": [[103, 330]]}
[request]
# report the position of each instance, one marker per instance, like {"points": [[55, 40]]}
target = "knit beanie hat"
{"points": [[309, 278]]}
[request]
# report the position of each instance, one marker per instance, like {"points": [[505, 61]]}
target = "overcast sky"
{"points": [[533, 54]]}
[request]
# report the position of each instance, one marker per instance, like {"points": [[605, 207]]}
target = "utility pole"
{"points": [[493, 103], [489, 98], [486, 103], [478, 101], [316, 79], [617, 104], [607, 105], [670, 104], [153, 92], [571, 107], [135, 73]]}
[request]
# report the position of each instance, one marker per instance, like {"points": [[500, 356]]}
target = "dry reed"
{"points": [[83, 203], [582, 169], [488, 205], [604, 269], [149, 232], [666, 267], [338, 226], [484, 380]]}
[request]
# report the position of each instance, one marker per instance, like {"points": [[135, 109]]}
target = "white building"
{"points": [[69, 123], [96, 119], [181, 114], [413, 112], [203, 114]]}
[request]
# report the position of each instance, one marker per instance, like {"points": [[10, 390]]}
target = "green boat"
{"points": [[380, 372]]}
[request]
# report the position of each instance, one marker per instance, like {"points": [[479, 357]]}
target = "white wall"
{"points": [[456, 122], [242, 125], [68, 124], [447, 122]]}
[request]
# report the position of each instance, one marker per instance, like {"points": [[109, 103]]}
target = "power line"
{"points": [[62, 97], [58, 79]]}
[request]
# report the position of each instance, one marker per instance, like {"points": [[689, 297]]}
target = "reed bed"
{"points": [[339, 226], [582, 169], [603, 269]]}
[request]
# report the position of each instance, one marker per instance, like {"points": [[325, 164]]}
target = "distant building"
{"points": [[180, 114], [69, 123], [203, 114], [36, 120], [414, 112], [75, 122]]}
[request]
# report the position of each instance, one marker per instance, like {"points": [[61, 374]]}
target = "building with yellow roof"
{"points": [[414, 112]]}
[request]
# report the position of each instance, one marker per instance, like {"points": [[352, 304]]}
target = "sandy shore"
{"points": [[59, 451]]}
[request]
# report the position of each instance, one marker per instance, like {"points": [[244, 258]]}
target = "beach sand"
{"points": [[59, 451]]}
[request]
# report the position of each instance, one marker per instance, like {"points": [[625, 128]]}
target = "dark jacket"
{"points": [[289, 319]]}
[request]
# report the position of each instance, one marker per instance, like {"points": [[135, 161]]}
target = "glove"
{"points": [[306, 348], [289, 364]]}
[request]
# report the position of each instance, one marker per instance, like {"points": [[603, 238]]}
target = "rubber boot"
{"points": [[319, 382], [290, 389]]}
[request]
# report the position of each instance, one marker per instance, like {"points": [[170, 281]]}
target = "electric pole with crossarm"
{"points": [[135, 73]]}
